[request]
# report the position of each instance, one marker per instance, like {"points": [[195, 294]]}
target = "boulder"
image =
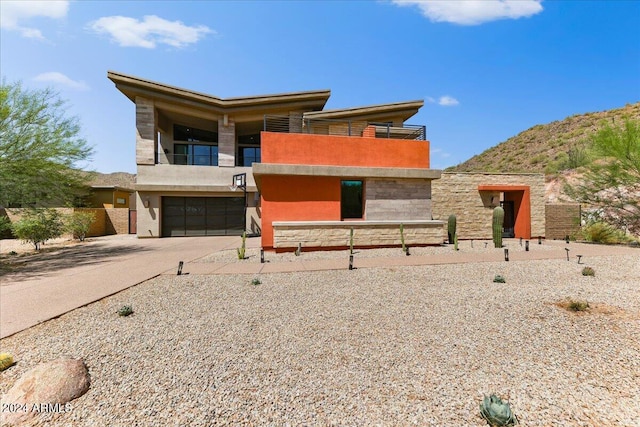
{"points": [[45, 388]]}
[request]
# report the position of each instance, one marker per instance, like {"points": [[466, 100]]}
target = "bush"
{"points": [[125, 311], [78, 223], [499, 279], [600, 232], [588, 271], [578, 305], [38, 225]]}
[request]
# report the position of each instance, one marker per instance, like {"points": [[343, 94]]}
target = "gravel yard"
{"points": [[382, 346]]}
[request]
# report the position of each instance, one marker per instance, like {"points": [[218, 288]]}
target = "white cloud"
{"points": [[60, 79], [440, 152], [14, 13], [448, 101], [149, 32], [473, 12], [445, 101]]}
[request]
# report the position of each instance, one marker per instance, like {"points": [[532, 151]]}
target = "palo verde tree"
{"points": [[40, 149], [610, 186]]}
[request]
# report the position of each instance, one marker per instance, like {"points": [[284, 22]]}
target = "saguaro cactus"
{"points": [[498, 221], [451, 228]]}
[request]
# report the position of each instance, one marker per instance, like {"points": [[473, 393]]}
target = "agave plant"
{"points": [[497, 412]]}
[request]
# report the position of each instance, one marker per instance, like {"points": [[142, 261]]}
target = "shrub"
{"points": [[255, 281], [78, 223], [578, 305], [588, 271], [499, 279], [125, 310], [6, 361], [600, 232], [38, 225]]}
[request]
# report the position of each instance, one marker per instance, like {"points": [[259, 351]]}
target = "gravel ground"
{"points": [[465, 246], [387, 346]]}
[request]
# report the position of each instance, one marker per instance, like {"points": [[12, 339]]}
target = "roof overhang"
{"points": [[133, 87], [262, 169], [371, 113]]}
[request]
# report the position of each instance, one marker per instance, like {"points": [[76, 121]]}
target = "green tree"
{"points": [[610, 186], [38, 225], [40, 149], [78, 223]]}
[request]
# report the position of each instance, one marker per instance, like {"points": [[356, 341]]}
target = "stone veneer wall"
{"points": [[457, 193], [117, 221], [336, 234], [226, 143], [145, 131], [562, 219], [397, 199]]}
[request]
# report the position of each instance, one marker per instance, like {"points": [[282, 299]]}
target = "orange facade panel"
{"points": [[334, 150], [520, 195], [300, 198]]}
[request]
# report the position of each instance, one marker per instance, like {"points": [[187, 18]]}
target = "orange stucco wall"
{"points": [[303, 198], [520, 195], [333, 150]]}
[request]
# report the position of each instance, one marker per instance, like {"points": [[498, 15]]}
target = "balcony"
{"points": [[361, 128]]}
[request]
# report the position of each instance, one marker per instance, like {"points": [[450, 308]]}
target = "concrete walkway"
{"points": [[58, 282]]}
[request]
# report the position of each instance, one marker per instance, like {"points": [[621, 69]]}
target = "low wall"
{"points": [[562, 219], [116, 220], [336, 234]]}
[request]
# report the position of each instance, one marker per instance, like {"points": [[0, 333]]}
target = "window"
{"points": [[351, 199], [248, 150], [189, 134], [195, 154]]}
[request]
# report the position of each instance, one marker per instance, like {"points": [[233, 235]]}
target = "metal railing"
{"points": [[292, 124]]}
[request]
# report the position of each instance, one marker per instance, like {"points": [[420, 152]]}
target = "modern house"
{"points": [[279, 166]]}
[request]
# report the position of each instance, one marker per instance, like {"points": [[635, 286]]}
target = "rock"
{"points": [[45, 388]]}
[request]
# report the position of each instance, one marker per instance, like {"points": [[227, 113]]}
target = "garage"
{"points": [[203, 216]]}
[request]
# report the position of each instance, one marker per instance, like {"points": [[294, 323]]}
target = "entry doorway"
{"points": [[508, 226]]}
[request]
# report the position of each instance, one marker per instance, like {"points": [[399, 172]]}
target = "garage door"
{"points": [[203, 216]]}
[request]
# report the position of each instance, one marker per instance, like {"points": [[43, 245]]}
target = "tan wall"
{"points": [[145, 131], [106, 198], [457, 193], [397, 199], [116, 221], [327, 234], [562, 219]]}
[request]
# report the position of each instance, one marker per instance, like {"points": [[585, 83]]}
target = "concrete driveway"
{"points": [[59, 281]]}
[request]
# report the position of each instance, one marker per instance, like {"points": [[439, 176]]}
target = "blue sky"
{"points": [[486, 69]]}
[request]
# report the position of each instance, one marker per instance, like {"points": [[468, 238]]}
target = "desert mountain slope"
{"points": [[545, 148]]}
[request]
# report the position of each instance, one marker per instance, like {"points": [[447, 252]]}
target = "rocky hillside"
{"points": [[549, 148], [120, 179]]}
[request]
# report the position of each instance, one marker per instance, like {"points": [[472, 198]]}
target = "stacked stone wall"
{"points": [[397, 199], [457, 193], [562, 219]]}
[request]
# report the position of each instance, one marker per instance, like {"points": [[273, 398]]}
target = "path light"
{"points": [[521, 241], [567, 249], [472, 243], [261, 256], [526, 245], [407, 251], [485, 244], [350, 262], [566, 238], [506, 254], [579, 258], [180, 264], [539, 240]]}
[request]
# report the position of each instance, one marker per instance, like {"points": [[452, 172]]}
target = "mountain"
{"points": [[119, 179], [550, 148]]}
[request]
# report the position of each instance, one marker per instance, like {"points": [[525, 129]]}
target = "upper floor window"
{"points": [[195, 154], [248, 150], [190, 134]]}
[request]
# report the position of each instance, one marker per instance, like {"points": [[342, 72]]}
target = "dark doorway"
{"points": [[351, 200], [133, 222], [508, 227]]}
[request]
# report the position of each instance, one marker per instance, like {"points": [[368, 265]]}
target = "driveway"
{"points": [[57, 282]]}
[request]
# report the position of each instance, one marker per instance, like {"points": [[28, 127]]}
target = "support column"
{"points": [[145, 131], [226, 143]]}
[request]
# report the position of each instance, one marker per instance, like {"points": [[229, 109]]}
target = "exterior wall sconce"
{"points": [[145, 202]]}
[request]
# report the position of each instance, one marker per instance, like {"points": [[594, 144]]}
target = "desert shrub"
{"points": [[78, 223], [38, 225], [600, 232], [577, 305], [125, 310], [499, 279], [255, 281], [588, 271]]}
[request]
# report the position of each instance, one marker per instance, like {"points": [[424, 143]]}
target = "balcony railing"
{"points": [[291, 124]]}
